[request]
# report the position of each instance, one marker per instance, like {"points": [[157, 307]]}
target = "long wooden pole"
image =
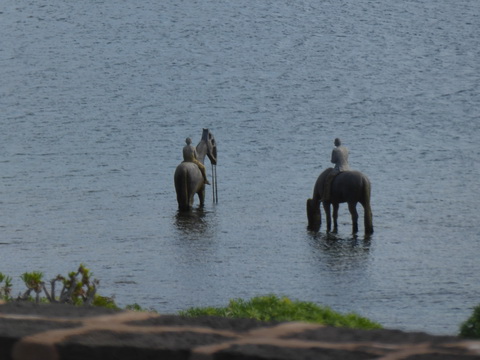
{"points": [[216, 186], [214, 183]]}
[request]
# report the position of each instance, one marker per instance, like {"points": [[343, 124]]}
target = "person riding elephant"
{"points": [[340, 159], [190, 155]]}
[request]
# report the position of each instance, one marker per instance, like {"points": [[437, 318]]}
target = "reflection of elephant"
{"points": [[348, 186], [188, 177]]}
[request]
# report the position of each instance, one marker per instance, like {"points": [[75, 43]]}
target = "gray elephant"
{"points": [[188, 176]]}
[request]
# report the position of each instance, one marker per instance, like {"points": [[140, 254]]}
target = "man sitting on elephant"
{"points": [[340, 159], [190, 155]]}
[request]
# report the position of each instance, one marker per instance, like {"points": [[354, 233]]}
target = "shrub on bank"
{"points": [[471, 328], [77, 288], [273, 308]]}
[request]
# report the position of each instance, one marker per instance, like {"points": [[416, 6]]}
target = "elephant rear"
{"points": [[356, 187], [188, 181], [181, 188]]}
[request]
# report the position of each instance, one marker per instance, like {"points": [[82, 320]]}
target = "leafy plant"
{"points": [[78, 288], [137, 307], [106, 302], [471, 328], [34, 283], [273, 308], [6, 289]]}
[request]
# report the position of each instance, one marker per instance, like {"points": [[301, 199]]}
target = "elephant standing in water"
{"points": [[351, 187], [189, 179]]}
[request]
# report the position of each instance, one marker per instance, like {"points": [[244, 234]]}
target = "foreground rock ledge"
{"points": [[57, 332]]}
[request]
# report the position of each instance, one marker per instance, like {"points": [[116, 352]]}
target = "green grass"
{"points": [[273, 308]]}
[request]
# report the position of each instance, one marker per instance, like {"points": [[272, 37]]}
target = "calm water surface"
{"points": [[98, 97]]}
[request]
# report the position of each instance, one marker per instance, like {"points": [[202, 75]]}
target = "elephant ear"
{"points": [[211, 146], [214, 152]]}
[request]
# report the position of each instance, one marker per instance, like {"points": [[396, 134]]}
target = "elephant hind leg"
{"points": [[201, 197], [368, 222], [326, 208], [335, 217], [352, 207], [183, 198]]}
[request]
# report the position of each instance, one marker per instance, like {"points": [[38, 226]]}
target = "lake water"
{"points": [[97, 98]]}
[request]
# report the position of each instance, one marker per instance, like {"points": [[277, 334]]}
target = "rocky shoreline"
{"points": [[57, 332]]}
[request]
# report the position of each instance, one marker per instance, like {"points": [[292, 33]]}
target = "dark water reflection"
{"points": [[342, 253], [193, 222]]}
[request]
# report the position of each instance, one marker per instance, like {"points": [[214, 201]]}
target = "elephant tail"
{"points": [[181, 187]]}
